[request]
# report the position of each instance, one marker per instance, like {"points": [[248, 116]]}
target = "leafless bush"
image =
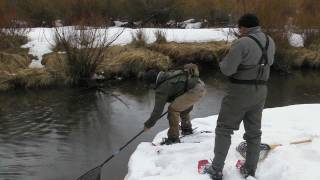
{"points": [[139, 38], [13, 36], [160, 37], [312, 38], [84, 47]]}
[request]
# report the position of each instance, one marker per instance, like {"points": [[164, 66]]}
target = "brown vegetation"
{"points": [[84, 49], [14, 72], [160, 37], [129, 62], [298, 58], [139, 39], [200, 53]]}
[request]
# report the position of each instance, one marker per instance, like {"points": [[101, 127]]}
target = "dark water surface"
{"points": [[60, 134]]}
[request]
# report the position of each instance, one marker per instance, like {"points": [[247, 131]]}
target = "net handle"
{"points": [[273, 146], [118, 151]]}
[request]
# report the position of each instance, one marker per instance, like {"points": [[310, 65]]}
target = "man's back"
{"points": [[243, 58]]}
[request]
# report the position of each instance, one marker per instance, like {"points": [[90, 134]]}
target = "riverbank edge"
{"points": [[129, 62]]}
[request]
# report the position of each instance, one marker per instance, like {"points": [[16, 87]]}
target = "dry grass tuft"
{"points": [[297, 58], [139, 39], [129, 62], [160, 37], [200, 53], [33, 78], [11, 63]]}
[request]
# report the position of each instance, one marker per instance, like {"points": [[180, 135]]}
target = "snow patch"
{"points": [[279, 125], [42, 39], [296, 40]]}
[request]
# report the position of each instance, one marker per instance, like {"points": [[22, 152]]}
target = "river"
{"points": [[59, 134]]}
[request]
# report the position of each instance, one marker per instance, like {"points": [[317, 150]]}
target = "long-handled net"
{"points": [[264, 148], [95, 173]]}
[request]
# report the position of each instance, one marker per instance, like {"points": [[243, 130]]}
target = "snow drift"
{"points": [[279, 125]]}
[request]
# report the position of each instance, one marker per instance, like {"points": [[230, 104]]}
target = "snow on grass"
{"points": [[279, 125], [42, 39]]}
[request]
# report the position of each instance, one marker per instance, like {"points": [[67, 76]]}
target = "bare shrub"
{"points": [[139, 39], [312, 39], [57, 44], [13, 37], [160, 36], [84, 48]]}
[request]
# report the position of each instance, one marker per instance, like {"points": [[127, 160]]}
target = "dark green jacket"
{"points": [[168, 90]]}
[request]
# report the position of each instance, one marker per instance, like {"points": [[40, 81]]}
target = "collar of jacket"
{"points": [[160, 77], [254, 30]]}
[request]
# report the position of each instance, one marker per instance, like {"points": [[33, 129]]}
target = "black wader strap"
{"points": [[248, 82], [264, 61], [264, 58]]}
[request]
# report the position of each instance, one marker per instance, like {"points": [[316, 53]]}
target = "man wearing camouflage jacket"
{"points": [[181, 88]]}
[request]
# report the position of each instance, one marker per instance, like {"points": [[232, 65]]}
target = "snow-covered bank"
{"points": [[280, 125], [42, 39]]}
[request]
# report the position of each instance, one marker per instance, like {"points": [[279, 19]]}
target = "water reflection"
{"points": [[60, 134]]}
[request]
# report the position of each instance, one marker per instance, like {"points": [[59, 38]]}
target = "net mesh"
{"points": [[264, 150], [93, 174]]}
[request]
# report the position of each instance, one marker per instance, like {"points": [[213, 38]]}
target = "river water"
{"points": [[59, 134]]}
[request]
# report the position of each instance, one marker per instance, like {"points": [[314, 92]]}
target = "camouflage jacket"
{"points": [[169, 85]]}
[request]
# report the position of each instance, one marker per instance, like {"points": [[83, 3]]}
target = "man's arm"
{"points": [[160, 102], [230, 63]]}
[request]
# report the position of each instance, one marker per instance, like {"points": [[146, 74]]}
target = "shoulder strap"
{"points": [[172, 77], [264, 58]]}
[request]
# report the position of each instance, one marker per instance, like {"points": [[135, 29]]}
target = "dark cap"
{"points": [[248, 20], [150, 76]]}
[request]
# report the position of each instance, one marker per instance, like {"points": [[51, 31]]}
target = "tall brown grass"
{"points": [[139, 38], [200, 53], [129, 62], [160, 36]]}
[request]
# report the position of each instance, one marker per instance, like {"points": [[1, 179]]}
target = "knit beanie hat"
{"points": [[248, 20]]}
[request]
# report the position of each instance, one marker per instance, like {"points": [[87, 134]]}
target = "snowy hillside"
{"points": [[280, 125]]}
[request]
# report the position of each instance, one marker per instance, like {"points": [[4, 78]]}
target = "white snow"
{"points": [[295, 40], [119, 23], [196, 25], [42, 39], [279, 125], [40, 42]]}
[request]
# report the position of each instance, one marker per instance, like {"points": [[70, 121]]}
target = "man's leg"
{"points": [[252, 125], [229, 119], [173, 117], [180, 104], [186, 125]]}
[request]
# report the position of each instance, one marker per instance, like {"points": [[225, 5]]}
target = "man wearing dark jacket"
{"points": [[247, 65], [181, 88]]}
